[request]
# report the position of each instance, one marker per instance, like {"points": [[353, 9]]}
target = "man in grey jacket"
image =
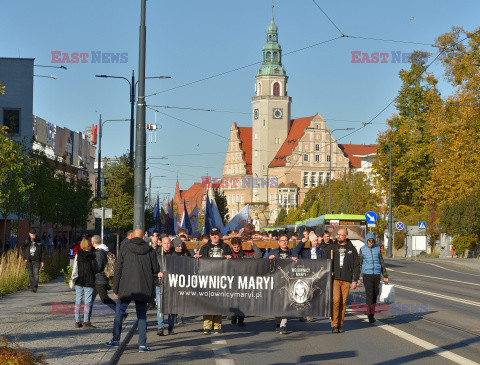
{"points": [[135, 269]]}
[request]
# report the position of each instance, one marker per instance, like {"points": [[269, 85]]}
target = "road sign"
{"points": [[399, 226], [372, 225], [371, 217], [422, 225], [97, 213]]}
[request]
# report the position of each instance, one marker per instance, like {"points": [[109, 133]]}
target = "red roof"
{"points": [[245, 135], [297, 130], [352, 150], [192, 196]]}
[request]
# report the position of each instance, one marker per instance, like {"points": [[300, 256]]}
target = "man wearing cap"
{"points": [[214, 248], [371, 261], [34, 255]]}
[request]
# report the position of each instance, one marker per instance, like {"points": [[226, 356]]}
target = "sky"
{"points": [[194, 40]]}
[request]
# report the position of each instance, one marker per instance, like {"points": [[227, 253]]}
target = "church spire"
{"points": [[272, 52]]}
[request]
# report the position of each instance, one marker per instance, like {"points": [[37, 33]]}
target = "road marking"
{"points": [[444, 268], [457, 300], [220, 349], [422, 343], [434, 277]]}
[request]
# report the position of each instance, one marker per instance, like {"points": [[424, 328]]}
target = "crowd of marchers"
{"points": [[138, 273]]}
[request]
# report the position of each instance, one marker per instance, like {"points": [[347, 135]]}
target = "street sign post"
{"points": [[102, 213], [399, 226], [371, 217], [422, 225]]}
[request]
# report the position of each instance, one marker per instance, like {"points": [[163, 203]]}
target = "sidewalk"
{"points": [[44, 321]]}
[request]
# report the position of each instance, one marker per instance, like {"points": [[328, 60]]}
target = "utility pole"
{"points": [[390, 218], [324, 197], [99, 162], [140, 148], [309, 204], [345, 191]]}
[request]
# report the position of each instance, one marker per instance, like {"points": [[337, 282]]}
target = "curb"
{"points": [[112, 355]]}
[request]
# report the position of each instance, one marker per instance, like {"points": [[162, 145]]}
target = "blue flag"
{"points": [[156, 214], [207, 224], [170, 219], [186, 224]]}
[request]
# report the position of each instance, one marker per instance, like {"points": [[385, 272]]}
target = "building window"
{"points": [[269, 56], [305, 179], [305, 157], [276, 89], [275, 56], [328, 158], [317, 158], [241, 198], [11, 119], [320, 178], [313, 179], [317, 147]]}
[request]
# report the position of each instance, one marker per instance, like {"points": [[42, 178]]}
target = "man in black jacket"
{"points": [[34, 255], [135, 269], [346, 271], [101, 280], [214, 248]]}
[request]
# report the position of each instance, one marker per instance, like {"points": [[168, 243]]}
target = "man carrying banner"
{"points": [[215, 248], [281, 252], [315, 252], [346, 271], [165, 249], [238, 253]]}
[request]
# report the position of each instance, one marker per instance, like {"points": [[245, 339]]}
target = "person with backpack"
{"points": [[84, 283], [34, 256], [106, 263], [371, 261]]}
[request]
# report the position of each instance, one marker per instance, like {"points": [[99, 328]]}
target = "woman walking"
{"points": [[85, 282]]}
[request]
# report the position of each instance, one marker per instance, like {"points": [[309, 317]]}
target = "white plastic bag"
{"points": [[74, 276], [387, 294]]}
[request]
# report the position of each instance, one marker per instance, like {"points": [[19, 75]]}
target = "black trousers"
{"points": [[101, 290], [33, 268], [372, 288]]}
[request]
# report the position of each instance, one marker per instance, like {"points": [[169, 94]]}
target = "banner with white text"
{"points": [[252, 287]]}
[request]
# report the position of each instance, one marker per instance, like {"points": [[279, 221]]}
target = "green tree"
{"points": [[118, 194], [282, 214], [221, 201], [14, 184], [411, 136]]}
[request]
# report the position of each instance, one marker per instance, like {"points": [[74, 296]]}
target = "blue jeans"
{"points": [[79, 292], [161, 316], [141, 309]]}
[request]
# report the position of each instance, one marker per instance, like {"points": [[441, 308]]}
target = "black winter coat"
{"points": [[87, 268], [101, 257], [135, 269], [210, 250], [350, 271], [39, 254]]}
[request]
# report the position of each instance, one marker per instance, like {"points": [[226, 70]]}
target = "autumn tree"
{"points": [[221, 201], [411, 135]]}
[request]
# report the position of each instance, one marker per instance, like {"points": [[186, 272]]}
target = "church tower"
{"points": [[271, 111]]}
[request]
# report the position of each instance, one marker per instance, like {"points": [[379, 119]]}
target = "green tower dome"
{"points": [[272, 53]]}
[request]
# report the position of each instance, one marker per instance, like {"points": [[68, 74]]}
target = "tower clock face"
{"points": [[255, 113], [277, 113]]}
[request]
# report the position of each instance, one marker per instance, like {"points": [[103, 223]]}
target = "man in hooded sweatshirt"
{"points": [[135, 270], [371, 261]]}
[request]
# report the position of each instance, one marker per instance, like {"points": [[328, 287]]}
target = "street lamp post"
{"points": [[132, 85], [99, 166], [140, 145]]}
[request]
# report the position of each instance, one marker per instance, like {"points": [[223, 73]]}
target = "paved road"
{"points": [[444, 328]]}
